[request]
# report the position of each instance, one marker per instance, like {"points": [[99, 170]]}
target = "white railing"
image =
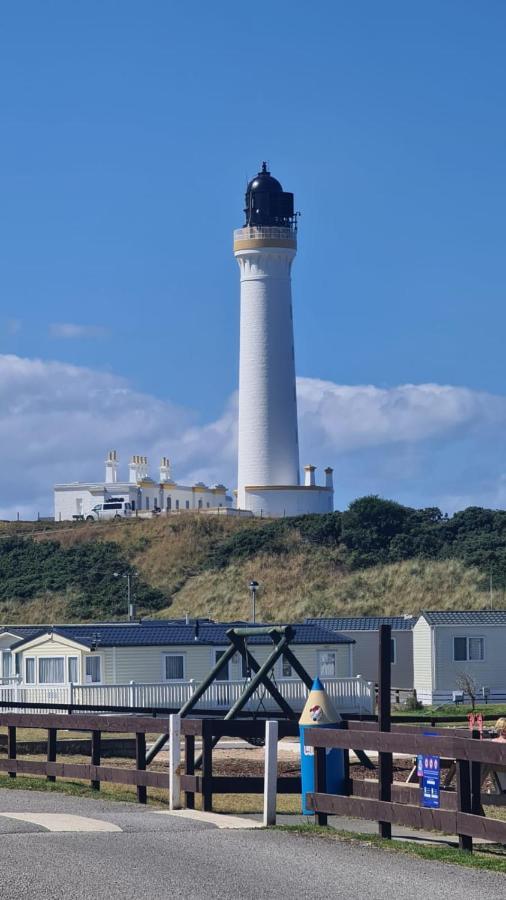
{"points": [[349, 695], [256, 232]]}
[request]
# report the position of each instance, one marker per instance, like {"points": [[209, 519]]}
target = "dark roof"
{"points": [[366, 623], [466, 617], [24, 632], [167, 633]]}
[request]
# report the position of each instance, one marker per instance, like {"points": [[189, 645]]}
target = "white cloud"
{"points": [[422, 444], [70, 331]]}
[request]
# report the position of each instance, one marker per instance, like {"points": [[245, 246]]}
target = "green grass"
{"points": [[492, 858], [494, 710], [70, 788]]}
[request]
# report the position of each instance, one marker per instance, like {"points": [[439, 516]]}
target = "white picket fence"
{"points": [[349, 695]]}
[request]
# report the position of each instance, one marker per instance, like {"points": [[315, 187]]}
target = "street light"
{"points": [[253, 586], [130, 601]]}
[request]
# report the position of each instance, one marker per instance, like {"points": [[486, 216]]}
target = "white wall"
{"points": [[423, 660], [289, 501], [491, 672]]}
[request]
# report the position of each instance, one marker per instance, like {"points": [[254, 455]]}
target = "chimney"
{"points": [[309, 477], [111, 467], [329, 480], [133, 470], [165, 470]]}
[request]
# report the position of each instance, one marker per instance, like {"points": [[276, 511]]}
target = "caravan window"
{"points": [[93, 670], [52, 670], [173, 666]]}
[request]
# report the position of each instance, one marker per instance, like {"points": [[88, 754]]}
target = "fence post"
{"points": [[96, 741], [189, 767], [70, 696], [207, 765], [384, 711], [464, 799], [320, 779], [131, 694], [140, 764], [51, 749], [11, 746], [174, 761], [476, 806], [270, 772]]}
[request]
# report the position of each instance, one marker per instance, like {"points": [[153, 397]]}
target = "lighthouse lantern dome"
{"points": [[267, 204]]}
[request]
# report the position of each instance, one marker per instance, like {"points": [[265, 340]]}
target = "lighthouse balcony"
{"points": [[256, 236]]}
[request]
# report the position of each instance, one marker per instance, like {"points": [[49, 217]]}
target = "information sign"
{"points": [[430, 783]]}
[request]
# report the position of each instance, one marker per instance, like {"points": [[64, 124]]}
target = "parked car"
{"points": [[115, 508]]}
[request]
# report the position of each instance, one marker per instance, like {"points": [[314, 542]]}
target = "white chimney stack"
{"points": [[134, 470], [165, 469], [111, 467], [309, 476], [329, 480]]}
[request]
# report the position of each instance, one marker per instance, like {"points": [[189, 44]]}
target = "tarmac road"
{"points": [[164, 856]]}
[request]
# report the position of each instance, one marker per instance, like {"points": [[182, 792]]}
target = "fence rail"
{"points": [[205, 783], [350, 695], [466, 818]]}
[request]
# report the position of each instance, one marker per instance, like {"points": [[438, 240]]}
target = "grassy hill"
{"points": [[377, 557]]}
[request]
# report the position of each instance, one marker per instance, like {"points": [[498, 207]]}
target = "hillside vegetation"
{"points": [[376, 557]]}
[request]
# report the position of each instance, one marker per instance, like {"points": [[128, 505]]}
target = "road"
{"points": [[148, 854]]}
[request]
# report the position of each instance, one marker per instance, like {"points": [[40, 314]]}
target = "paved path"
{"points": [[170, 856]]}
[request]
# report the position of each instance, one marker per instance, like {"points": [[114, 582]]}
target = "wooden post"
{"points": [[384, 721], [96, 740], [140, 763], [476, 806], [270, 772], [320, 779], [51, 749], [207, 766], [11, 746], [464, 799], [189, 767], [174, 762]]}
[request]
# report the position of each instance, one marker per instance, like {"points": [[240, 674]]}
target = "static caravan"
{"points": [[455, 651], [365, 632]]}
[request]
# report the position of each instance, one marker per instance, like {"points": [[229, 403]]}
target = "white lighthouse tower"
{"points": [[268, 462]]}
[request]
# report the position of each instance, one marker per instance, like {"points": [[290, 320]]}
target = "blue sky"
{"points": [[128, 132]]}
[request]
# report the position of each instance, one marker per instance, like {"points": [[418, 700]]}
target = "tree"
{"points": [[467, 683]]}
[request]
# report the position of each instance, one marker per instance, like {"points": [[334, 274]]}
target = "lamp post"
{"points": [[253, 586], [130, 601]]}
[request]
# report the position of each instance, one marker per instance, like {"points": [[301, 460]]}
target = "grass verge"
{"points": [[492, 857]]}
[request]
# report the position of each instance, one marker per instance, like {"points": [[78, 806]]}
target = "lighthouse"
{"points": [[268, 444]]}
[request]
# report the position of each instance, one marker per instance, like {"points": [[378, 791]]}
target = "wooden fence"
{"points": [[208, 784], [462, 815], [204, 783]]}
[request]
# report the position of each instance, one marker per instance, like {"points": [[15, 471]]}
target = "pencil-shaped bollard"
{"points": [[319, 712]]}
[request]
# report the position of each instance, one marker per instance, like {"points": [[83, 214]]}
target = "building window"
{"points": [[286, 669], [187, 504], [73, 669], [173, 666], [468, 649], [6, 663], [177, 504], [208, 505], [327, 664], [169, 504], [147, 502], [30, 670], [93, 670], [52, 670], [393, 651], [200, 504]]}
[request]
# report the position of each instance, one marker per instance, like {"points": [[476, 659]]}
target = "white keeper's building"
{"points": [[144, 493]]}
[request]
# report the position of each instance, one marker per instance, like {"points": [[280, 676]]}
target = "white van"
{"points": [[114, 508]]}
